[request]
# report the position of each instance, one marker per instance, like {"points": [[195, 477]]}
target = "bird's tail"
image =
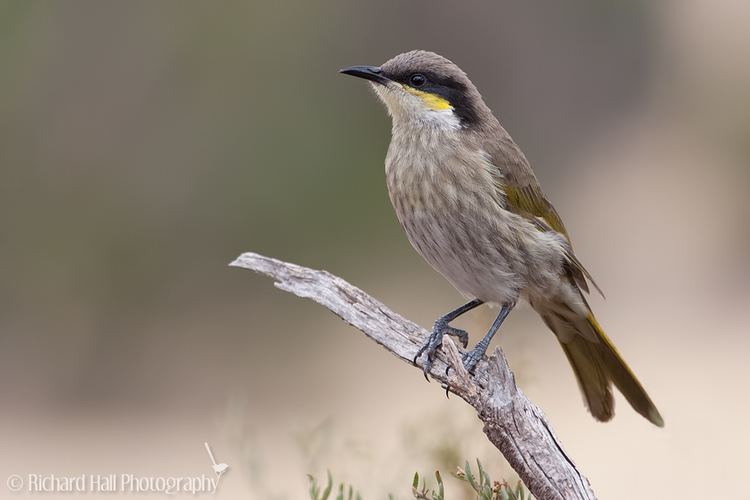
{"points": [[597, 364]]}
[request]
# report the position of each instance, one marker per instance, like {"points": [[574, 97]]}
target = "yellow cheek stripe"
{"points": [[432, 101]]}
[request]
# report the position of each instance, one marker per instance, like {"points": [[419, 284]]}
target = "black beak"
{"points": [[372, 73]]}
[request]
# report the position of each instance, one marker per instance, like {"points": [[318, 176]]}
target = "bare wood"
{"points": [[516, 426]]}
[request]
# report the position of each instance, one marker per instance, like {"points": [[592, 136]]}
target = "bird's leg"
{"points": [[472, 357], [440, 328]]}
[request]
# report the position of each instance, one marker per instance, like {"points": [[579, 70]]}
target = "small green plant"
{"points": [[423, 493], [487, 489], [481, 483], [344, 492]]}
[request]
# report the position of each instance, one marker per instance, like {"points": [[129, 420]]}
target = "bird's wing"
{"points": [[525, 197]]}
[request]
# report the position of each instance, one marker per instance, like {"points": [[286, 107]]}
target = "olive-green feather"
{"points": [[597, 365], [519, 188], [529, 202]]}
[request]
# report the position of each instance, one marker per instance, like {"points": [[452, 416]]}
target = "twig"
{"points": [[516, 426]]}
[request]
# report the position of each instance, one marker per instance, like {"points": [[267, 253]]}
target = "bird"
{"points": [[470, 204]]}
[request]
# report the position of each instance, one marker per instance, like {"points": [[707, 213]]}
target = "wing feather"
{"points": [[524, 196]]}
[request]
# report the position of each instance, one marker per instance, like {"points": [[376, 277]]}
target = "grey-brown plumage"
{"points": [[471, 205]]}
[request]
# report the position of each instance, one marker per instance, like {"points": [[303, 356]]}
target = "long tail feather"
{"points": [[597, 365]]}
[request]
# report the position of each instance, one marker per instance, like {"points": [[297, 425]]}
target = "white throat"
{"points": [[409, 110]]}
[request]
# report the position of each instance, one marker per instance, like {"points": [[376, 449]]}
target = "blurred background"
{"points": [[144, 145]]}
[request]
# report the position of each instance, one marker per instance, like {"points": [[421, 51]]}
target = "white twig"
{"points": [[516, 426]]}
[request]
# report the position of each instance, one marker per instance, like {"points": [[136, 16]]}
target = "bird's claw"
{"points": [[435, 340], [461, 335], [470, 359]]}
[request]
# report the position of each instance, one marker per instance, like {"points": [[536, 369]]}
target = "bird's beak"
{"points": [[372, 73]]}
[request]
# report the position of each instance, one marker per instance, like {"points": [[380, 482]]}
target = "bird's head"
{"points": [[424, 88]]}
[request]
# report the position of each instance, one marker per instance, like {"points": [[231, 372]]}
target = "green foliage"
{"points": [[345, 492], [423, 493], [487, 489], [481, 483]]}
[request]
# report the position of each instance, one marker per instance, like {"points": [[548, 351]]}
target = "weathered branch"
{"points": [[511, 422]]}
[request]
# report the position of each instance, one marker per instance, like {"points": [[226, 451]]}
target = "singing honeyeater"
{"points": [[472, 207]]}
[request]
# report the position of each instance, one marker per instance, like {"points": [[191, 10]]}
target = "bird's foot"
{"points": [[471, 358], [435, 340]]}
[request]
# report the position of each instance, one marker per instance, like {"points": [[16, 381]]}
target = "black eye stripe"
{"points": [[449, 88], [431, 78]]}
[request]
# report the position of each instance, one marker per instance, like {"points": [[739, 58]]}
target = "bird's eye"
{"points": [[417, 80]]}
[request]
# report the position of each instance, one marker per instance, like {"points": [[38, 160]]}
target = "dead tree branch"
{"points": [[511, 422]]}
